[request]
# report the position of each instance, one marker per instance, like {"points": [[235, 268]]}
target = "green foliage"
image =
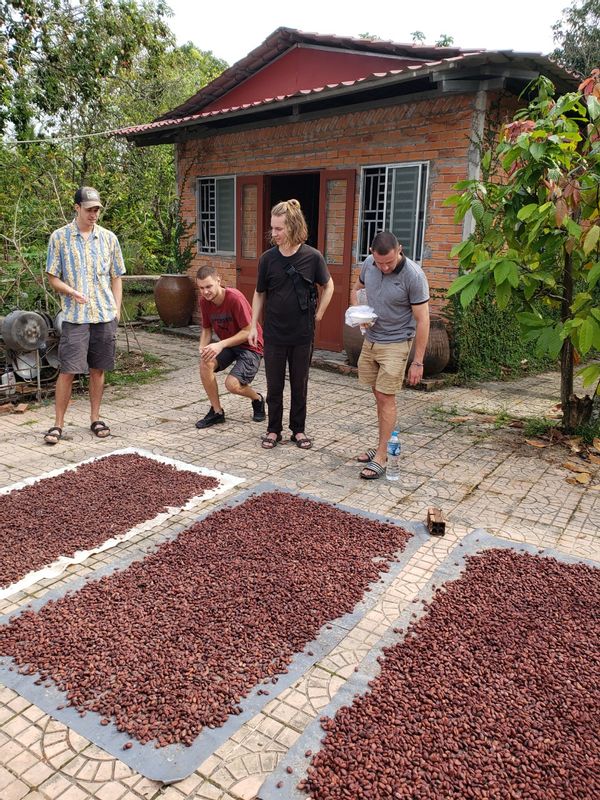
{"points": [[443, 40], [577, 35], [69, 71], [487, 343], [538, 426], [535, 245]]}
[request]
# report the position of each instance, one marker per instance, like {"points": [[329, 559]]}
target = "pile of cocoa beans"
{"points": [[176, 641], [494, 693], [80, 509]]}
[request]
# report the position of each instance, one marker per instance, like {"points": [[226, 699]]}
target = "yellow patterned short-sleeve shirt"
{"points": [[88, 266]]}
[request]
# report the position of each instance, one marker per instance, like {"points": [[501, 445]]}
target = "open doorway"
{"points": [[304, 187]]}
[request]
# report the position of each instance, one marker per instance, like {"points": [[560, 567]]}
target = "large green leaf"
{"points": [[477, 210], [586, 334], [549, 341], [459, 283], [525, 212], [537, 150], [503, 295], [591, 239], [590, 375], [593, 105], [530, 320], [469, 293]]}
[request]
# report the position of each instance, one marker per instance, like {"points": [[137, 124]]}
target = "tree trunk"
{"points": [[576, 410]]}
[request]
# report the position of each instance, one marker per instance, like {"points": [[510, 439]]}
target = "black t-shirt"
{"points": [[284, 322]]}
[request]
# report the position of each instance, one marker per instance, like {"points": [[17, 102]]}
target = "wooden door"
{"points": [[250, 240], [336, 219]]}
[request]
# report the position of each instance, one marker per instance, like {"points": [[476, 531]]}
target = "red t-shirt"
{"points": [[230, 317]]}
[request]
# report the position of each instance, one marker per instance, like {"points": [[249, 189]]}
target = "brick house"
{"points": [[365, 134]]}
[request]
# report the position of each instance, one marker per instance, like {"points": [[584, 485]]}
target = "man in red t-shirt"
{"points": [[226, 312]]}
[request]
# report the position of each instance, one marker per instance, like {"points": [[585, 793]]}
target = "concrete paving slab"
{"points": [[481, 476]]}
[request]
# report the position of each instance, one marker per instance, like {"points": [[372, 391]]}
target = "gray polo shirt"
{"points": [[391, 296]]}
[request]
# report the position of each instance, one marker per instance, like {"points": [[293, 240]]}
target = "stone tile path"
{"points": [[479, 474]]}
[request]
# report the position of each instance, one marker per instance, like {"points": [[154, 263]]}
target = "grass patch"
{"points": [[134, 368], [538, 426]]}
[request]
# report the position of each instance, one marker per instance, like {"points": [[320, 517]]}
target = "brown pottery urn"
{"points": [[175, 298]]}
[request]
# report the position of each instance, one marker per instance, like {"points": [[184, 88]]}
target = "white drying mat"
{"points": [[226, 483]]}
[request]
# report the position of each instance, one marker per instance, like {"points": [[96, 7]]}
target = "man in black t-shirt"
{"points": [[286, 292]]}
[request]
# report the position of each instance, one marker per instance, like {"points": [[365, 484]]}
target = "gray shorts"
{"points": [[87, 345], [246, 364]]}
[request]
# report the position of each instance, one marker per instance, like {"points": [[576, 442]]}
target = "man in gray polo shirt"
{"points": [[398, 292]]}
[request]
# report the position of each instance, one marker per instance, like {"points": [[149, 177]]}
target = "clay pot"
{"points": [[352, 339], [175, 298], [437, 354]]}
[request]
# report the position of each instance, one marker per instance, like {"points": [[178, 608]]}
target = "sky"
{"points": [[231, 30]]}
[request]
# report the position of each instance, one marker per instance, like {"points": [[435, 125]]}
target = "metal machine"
{"points": [[30, 344]]}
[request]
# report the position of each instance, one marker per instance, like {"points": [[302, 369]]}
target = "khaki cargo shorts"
{"points": [[382, 365]]}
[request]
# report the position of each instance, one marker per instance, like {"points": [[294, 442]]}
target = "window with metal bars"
{"points": [[216, 215], [393, 198]]}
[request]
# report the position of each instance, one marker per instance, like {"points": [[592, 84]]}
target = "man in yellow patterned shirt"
{"points": [[84, 266]]}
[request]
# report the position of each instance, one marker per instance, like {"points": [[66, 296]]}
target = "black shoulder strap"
{"points": [[300, 286]]}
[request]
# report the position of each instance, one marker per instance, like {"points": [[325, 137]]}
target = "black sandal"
{"points": [[100, 429], [372, 471], [268, 442], [367, 456], [303, 444], [53, 435]]}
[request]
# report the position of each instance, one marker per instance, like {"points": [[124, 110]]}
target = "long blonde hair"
{"points": [[295, 223]]}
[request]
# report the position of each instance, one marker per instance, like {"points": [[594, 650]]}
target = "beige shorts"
{"points": [[382, 365]]}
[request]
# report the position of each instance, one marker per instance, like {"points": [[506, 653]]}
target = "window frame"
{"points": [[422, 194], [215, 179]]}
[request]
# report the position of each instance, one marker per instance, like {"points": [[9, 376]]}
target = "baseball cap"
{"points": [[87, 197]]}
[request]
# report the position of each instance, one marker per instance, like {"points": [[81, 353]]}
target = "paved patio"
{"points": [[481, 475]]}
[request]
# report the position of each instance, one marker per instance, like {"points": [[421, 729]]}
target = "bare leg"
{"points": [[96, 391], [209, 382], [62, 397], [386, 417], [233, 385], [387, 413]]}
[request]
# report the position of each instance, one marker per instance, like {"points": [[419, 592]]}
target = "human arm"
{"points": [[421, 315], [258, 302], [63, 288], [358, 284], [211, 350], [116, 285], [324, 299]]}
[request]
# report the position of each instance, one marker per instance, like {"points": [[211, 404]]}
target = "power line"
{"points": [[60, 138]]}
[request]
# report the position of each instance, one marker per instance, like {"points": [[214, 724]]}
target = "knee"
{"points": [[207, 368], [385, 400], [232, 384]]}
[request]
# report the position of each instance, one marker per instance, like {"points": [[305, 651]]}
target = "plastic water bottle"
{"points": [[392, 471]]}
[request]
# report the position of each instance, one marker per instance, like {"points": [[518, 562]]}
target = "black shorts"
{"points": [[246, 364], [87, 345]]}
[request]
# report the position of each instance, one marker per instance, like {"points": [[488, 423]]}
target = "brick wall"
{"points": [[435, 130]]}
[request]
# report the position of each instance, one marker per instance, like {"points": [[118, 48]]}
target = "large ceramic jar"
{"points": [[175, 298], [437, 353]]}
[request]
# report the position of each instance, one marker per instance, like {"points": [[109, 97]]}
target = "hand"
{"points": [[415, 374], [78, 297], [211, 351], [253, 336]]}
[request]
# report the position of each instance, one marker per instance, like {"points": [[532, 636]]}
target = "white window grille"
{"points": [[393, 198], [216, 215]]}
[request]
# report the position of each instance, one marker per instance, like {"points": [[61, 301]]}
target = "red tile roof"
{"points": [[427, 60]]}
